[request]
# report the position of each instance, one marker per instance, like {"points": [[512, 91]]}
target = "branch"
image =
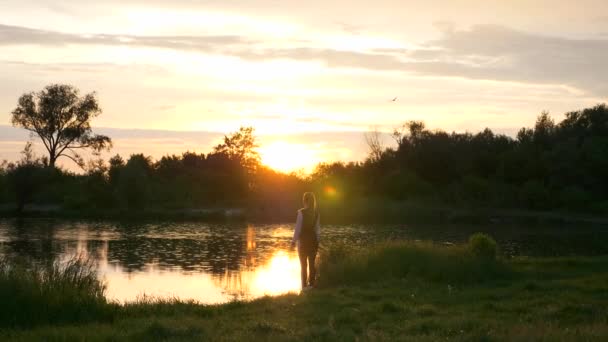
{"points": [[80, 146], [67, 145], [76, 159], [38, 131]]}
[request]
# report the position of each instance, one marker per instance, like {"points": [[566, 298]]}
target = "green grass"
{"points": [[395, 291], [455, 264], [32, 295]]}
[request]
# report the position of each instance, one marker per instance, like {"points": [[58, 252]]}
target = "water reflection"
{"points": [[217, 263], [279, 275], [188, 261]]}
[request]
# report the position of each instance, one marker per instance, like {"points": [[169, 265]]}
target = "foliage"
{"points": [[483, 246], [62, 120], [4, 185], [240, 146], [560, 299], [452, 264], [47, 294], [27, 176], [555, 166], [375, 146]]}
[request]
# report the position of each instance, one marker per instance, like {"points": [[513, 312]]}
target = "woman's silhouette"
{"points": [[306, 235]]}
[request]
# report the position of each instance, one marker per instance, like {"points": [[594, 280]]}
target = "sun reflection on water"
{"points": [[209, 266], [279, 275]]}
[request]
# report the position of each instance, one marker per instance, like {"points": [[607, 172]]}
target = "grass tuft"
{"points": [[52, 294], [483, 246]]}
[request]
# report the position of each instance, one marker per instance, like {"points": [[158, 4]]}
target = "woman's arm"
{"points": [[296, 232]]}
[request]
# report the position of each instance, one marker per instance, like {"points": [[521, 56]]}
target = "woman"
{"points": [[306, 235]]}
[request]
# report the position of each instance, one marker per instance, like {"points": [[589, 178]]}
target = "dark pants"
{"points": [[308, 254]]}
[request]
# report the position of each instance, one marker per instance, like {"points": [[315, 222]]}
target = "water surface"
{"points": [[215, 263]]}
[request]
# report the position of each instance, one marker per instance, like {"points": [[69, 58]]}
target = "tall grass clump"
{"points": [[483, 246], [52, 294], [456, 264]]}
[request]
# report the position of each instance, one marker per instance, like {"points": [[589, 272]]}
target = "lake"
{"points": [[216, 263]]}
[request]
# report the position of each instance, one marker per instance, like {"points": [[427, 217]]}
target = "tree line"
{"points": [[552, 166], [560, 166]]}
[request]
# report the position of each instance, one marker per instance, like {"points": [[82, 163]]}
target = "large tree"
{"points": [[241, 146], [62, 120]]}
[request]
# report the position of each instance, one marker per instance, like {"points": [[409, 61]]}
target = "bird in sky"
{"points": [[393, 100]]}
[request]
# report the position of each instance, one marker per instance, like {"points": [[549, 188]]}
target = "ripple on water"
{"points": [[216, 263]]}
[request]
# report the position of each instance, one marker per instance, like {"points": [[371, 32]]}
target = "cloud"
{"points": [[350, 28], [16, 35], [499, 53], [486, 52]]}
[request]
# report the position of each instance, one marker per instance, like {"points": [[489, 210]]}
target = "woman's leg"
{"points": [[312, 277], [303, 267]]}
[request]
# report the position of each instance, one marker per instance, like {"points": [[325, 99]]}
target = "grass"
{"points": [[51, 294], [394, 291], [456, 264]]}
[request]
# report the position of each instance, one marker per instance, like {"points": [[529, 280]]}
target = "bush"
{"points": [[534, 195], [405, 185], [341, 265], [483, 246], [574, 197], [470, 189], [53, 294]]}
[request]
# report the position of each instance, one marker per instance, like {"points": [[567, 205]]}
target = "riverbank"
{"points": [[360, 212], [417, 292]]}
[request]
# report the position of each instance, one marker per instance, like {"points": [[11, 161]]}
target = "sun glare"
{"points": [[280, 275], [287, 157]]}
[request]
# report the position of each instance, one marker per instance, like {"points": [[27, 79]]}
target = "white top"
{"points": [[299, 220]]}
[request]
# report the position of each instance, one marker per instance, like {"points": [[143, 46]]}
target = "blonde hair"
{"points": [[309, 200]]}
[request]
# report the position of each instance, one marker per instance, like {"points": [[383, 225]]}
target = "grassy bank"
{"points": [[359, 211], [33, 295], [395, 291], [202, 215]]}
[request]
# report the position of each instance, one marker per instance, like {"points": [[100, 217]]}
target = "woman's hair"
{"points": [[309, 200]]}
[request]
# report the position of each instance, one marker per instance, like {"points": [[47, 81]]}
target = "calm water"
{"points": [[216, 263]]}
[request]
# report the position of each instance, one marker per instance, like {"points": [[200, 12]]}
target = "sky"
{"points": [[310, 76]]}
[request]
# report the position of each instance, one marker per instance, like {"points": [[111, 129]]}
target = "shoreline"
{"points": [[557, 299], [393, 214]]}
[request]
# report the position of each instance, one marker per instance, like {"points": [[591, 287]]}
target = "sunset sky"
{"points": [[310, 76]]}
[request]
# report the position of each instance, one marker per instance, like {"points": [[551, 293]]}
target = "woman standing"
{"points": [[306, 235]]}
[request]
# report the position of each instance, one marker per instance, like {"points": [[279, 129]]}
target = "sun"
{"points": [[286, 157]]}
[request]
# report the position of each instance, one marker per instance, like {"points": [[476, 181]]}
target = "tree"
{"points": [[4, 168], [116, 164], [62, 120], [27, 177], [375, 146], [133, 180], [544, 130], [241, 146]]}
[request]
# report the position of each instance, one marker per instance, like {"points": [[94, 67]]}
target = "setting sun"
{"points": [[287, 157]]}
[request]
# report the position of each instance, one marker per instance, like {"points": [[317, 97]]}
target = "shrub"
{"points": [[483, 246], [574, 197], [534, 195], [452, 264], [56, 293]]}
